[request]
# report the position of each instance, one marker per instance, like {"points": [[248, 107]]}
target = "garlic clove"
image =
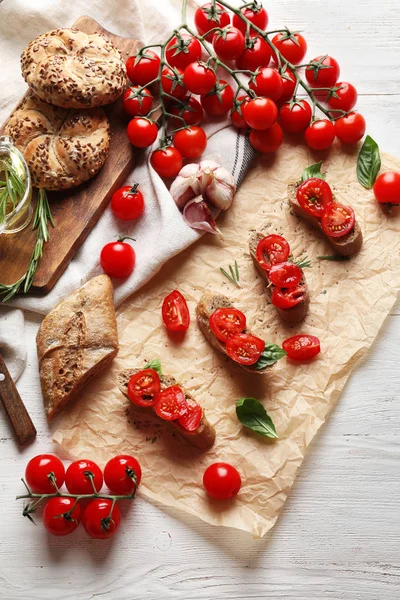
{"points": [[220, 189], [198, 216], [186, 185]]}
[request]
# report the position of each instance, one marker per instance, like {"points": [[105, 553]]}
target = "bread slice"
{"points": [[204, 436], [293, 315], [76, 340], [347, 245], [208, 304]]}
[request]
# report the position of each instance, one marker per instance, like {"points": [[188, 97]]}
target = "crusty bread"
{"points": [[76, 340], [208, 304], [72, 69], [63, 148], [204, 436], [290, 315], [347, 245]]}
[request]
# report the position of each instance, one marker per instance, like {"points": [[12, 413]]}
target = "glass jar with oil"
{"points": [[15, 189]]}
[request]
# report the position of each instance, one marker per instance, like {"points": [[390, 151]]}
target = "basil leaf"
{"points": [[313, 171], [271, 354], [252, 414], [368, 163], [156, 365]]}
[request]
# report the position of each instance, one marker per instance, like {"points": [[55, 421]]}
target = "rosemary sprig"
{"points": [[303, 263], [233, 274], [338, 257]]}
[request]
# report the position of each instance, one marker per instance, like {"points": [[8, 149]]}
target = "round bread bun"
{"points": [[62, 148], [72, 69]]}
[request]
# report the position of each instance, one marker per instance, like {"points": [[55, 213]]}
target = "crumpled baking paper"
{"points": [[349, 303]]}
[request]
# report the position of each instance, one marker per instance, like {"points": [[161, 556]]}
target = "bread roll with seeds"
{"points": [[63, 148], [72, 69]]}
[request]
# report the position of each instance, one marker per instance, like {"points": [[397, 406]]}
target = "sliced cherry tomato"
{"points": [[387, 188], [293, 47], [100, 519], [190, 110], [257, 54], [268, 140], [219, 101], [38, 470], [237, 112], [256, 14], [172, 82], [285, 298], [175, 312], [351, 128], [323, 72], [118, 259], [296, 117], [61, 516], [229, 43], [171, 403], [199, 79], [182, 50], [244, 348], [137, 101], [122, 474], [143, 69], [285, 275], [191, 142], [347, 97], [302, 347], [222, 481], [313, 195], [192, 418], [127, 203], [320, 135], [142, 132], [225, 322], [260, 113], [268, 83], [79, 476], [272, 250], [337, 220], [288, 86], [209, 17], [144, 387], [167, 161]]}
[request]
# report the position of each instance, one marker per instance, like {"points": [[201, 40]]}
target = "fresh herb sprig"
{"points": [[334, 258], [233, 274], [303, 263], [12, 190]]}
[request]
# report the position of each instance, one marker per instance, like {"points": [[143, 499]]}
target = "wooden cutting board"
{"points": [[77, 210]]}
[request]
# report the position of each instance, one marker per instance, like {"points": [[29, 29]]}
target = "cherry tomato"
{"points": [[302, 347], [38, 470], [292, 47], [320, 135], [100, 519], [288, 86], [225, 322], [313, 196], [144, 387], [190, 110], [272, 250], [193, 416], [324, 71], [295, 118], [288, 298], [167, 161], [219, 101], [257, 15], [347, 97], [229, 43], [78, 478], [182, 51], [143, 69], [260, 113], [222, 481], [61, 516], [208, 17], [244, 348], [351, 128], [175, 312], [387, 188], [172, 82], [237, 113], [117, 259], [285, 275], [267, 82], [142, 132], [137, 103], [191, 142], [268, 140], [337, 220], [258, 54], [171, 403], [127, 203], [120, 473], [199, 79]]}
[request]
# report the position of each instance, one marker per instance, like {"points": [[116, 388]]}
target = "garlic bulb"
{"points": [[221, 188], [186, 185]]}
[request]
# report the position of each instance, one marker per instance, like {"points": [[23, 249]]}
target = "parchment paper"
{"points": [[349, 302]]}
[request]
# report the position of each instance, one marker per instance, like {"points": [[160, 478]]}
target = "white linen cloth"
{"points": [[161, 233]]}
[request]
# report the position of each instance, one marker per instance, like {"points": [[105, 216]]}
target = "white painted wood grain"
{"points": [[338, 537]]}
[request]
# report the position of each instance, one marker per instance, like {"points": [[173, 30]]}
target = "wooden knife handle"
{"points": [[15, 408]]}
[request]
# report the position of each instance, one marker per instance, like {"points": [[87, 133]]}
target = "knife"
{"points": [[15, 408]]}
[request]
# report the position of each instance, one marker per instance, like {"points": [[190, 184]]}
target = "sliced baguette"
{"points": [[204, 436], [290, 315], [347, 245]]}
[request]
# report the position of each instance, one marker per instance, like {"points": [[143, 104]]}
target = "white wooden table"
{"points": [[338, 537]]}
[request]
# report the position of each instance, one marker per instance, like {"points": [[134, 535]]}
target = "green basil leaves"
{"points": [[313, 171], [252, 414], [368, 163], [271, 354], [155, 365]]}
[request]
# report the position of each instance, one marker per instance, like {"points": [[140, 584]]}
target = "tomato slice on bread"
{"points": [[171, 403], [285, 298], [302, 347], [144, 387], [225, 322], [244, 348], [272, 250], [338, 220], [313, 195], [192, 418], [285, 275], [175, 312]]}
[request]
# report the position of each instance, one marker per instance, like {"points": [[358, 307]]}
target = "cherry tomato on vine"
{"points": [[258, 54], [120, 473], [285, 275], [324, 71], [337, 220], [167, 162], [192, 417], [229, 43], [293, 47], [137, 103], [143, 69], [256, 14], [225, 322], [172, 82], [347, 97], [244, 348], [127, 203], [183, 50], [175, 312], [208, 17], [302, 347], [387, 188], [61, 516], [78, 480], [237, 113], [142, 132], [272, 250], [320, 135], [191, 142], [351, 128], [199, 79], [267, 140], [118, 259], [171, 403], [100, 519], [288, 86], [260, 113], [219, 101], [294, 118], [314, 195], [285, 298], [222, 481], [267, 82], [144, 387], [190, 110], [37, 473]]}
